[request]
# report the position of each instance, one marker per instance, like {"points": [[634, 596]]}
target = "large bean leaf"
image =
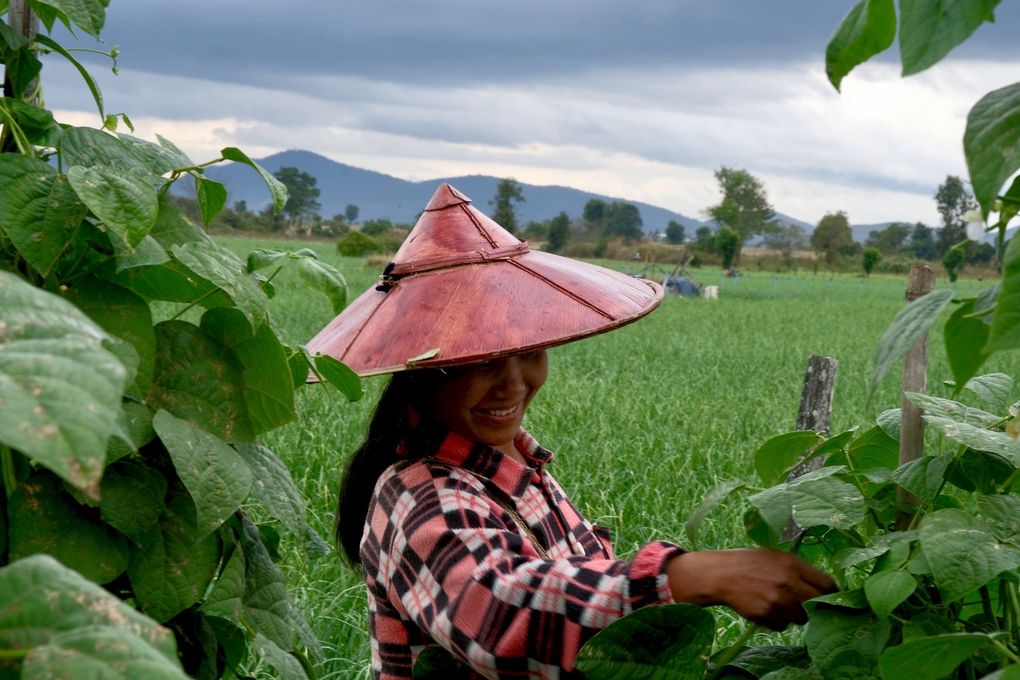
{"points": [[265, 373], [993, 388], [87, 147], [953, 410], [39, 211], [845, 643], [276, 187], [126, 204], [991, 143], [1005, 332], [978, 438], [931, 658], [226, 271], [273, 487], [99, 653], [671, 642], [133, 498], [963, 553], [200, 380], [60, 388], [45, 519], [930, 29], [88, 15], [965, 338], [911, 324], [887, 590], [774, 458], [171, 570], [827, 502], [867, 30], [215, 475]]}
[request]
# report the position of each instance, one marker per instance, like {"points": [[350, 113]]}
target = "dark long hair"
{"points": [[388, 427]]}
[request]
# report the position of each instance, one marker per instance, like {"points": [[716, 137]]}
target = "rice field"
{"points": [[643, 421]]}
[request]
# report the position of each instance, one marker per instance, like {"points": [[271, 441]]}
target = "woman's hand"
{"points": [[765, 586]]}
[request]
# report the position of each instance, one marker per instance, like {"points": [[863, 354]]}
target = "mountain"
{"points": [[381, 196]]}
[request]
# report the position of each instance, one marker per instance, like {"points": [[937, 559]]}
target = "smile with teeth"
{"points": [[498, 412]]}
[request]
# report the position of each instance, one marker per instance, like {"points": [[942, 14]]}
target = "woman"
{"points": [[464, 539]]}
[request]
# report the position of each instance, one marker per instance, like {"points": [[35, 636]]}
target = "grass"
{"points": [[644, 421]]}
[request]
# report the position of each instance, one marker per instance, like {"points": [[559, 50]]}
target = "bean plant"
{"points": [[139, 365], [927, 551]]}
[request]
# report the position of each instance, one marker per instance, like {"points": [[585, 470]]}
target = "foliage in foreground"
{"points": [[138, 366], [927, 551]]}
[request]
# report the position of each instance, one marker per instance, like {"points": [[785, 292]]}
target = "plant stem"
{"points": [[1006, 650], [7, 469], [986, 605], [730, 653], [194, 303], [14, 653]]}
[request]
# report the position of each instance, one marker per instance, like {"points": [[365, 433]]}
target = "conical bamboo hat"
{"points": [[461, 289]]}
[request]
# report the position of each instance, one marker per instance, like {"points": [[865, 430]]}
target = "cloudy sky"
{"points": [[638, 99]]}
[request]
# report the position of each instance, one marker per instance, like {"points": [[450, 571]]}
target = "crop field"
{"points": [[644, 421]]}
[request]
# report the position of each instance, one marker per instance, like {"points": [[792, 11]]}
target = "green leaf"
{"points": [[1002, 514], [198, 379], [90, 82], [827, 502], [226, 599], [326, 279], [911, 324], [287, 667], [60, 388], [965, 337], [758, 661], [874, 449], [710, 502], [952, 410], [39, 211], [88, 15], [172, 228], [36, 123], [173, 282], [775, 504], [265, 374], [986, 473], [1006, 326], [88, 147], [843, 599], [774, 458], [890, 421], [276, 188], [267, 607], [273, 487], [340, 376], [126, 204], [887, 590], [993, 388], [180, 159], [978, 438], [931, 658], [845, 643], [132, 500], [122, 314], [930, 29], [171, 570], [158, 158], [226, 271], [867, 30], [962, 553], [923, 476], [136, 424], [211, 197], [99, 653], [670, 642], [40, 599], [22, 66], [215, 475], [44, 519]]}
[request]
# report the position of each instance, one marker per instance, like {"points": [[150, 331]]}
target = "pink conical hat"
{"points": [[462, 289]]}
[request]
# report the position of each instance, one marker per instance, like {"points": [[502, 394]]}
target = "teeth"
{"points": [[500, 412]]}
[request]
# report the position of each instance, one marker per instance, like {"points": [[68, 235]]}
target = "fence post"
{"points": [[815, 413], [915, 379]]}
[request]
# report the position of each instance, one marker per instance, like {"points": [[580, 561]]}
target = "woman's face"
{"points": [[486, 402]]}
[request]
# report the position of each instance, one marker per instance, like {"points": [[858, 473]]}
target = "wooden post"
{"points": [[915, 379], [815, 413], [25, 22]]}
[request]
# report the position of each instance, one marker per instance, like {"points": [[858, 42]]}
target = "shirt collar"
{"points": [[507, 474]]}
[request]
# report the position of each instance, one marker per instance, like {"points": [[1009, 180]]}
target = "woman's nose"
{"points": [[511, 378]]}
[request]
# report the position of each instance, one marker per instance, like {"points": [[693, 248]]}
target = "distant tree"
{"points": [[375, 227], [302, 196], [508, 192], [980, 253], [869, 258], [786, 238], [728, 243], [594, 211], [622, 220], [351, 213], [704, 239], [675, 232], [953, 261], [891, 240], [536, 231], [922, 242], [357, 244], [832, 237], [744, 207], [559, 233], [953, 201]]}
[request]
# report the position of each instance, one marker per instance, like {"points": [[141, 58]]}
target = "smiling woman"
{"points": [[465, 540]]}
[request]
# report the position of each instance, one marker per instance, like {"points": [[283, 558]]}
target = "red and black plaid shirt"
{"points": [[447, 564]]}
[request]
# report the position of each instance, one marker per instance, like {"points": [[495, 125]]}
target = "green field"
{"points": [[644, 420]]}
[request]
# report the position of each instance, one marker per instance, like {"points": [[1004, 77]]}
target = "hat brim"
{"points": [[480, 311]]}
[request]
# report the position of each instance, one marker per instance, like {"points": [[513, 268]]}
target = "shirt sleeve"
{"points": [[438, 550]]}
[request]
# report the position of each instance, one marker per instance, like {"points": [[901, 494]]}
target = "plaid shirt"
{"points": [[446, 563]]}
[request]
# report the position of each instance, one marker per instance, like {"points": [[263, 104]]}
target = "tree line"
{"points": [[742, 214]]}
